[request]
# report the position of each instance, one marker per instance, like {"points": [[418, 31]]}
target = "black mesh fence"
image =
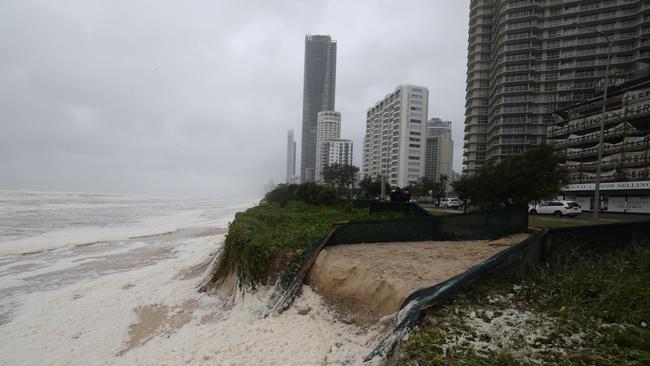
{"points": [[478, 225], [407, 208], [596, 237]]}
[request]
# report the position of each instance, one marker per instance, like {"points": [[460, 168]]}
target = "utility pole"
{"points": [[610, 43]]}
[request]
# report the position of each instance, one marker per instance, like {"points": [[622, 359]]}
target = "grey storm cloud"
{"points": [[194, 98]]}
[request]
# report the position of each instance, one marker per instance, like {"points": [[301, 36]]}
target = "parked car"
{"points": [[557, 208], [450, 203]]}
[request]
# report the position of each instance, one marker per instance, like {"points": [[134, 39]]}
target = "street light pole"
{"points": [[602, 132], [610, 43]]}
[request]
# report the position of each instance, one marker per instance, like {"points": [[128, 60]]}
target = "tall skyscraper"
{"points": [[319, 88], [528, 58], [394, 144], [439, 154], [328, 128], [291, 157]]}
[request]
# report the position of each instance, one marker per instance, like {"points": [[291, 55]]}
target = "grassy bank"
{"points": [[580, 310], [265, 241]]}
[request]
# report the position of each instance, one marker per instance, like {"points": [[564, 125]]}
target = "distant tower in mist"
{"points": [[319, 89], [291, 157], [439, 155]]}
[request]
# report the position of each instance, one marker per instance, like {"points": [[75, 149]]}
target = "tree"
{"points": [[534, 175], [372, 187], [442, 186], [340, 176], [428, 185]]}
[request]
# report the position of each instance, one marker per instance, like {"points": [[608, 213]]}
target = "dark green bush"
{"points": [[282, 194], [316, 194], [310, 192]]}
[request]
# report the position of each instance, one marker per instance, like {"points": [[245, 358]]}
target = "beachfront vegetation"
{"points": [[269, 239], [371, 188], [574, 310], [310, 192], [430, 187], [534, 175], [340, 176]]}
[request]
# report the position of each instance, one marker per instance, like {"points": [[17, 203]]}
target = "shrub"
{"points": [[310, 192], [316, 194], [282, 194]]}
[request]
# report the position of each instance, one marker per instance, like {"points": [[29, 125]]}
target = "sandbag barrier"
{"points": [[540, 246]]}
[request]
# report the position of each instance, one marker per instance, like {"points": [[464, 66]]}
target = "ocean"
{"points": [[99, 279]]}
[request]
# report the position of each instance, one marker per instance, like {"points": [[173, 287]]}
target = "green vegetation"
{"points": [[429, 187], [310, 192], [575, 310], [371, 188], [267, 240], [516, 180], [340, 176]]}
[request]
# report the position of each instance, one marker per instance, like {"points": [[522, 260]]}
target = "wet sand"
{"points": [[136, 302], [366, 282]]}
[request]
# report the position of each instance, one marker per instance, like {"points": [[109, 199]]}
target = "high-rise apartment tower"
{"points": [[394, 143], [319, 89], [528, 58]]}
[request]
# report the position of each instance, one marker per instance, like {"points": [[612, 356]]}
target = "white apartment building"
{"points": [[337, 152], [394, 144], [439, 150], [328, 127]]}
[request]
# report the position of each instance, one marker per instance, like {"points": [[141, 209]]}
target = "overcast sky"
{"points": [[194, 98]]}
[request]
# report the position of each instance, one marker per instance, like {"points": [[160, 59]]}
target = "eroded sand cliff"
{"points": [[366, 282]]}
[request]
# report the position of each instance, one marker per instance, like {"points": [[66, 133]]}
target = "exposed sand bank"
{"points": [[366, 282]]}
